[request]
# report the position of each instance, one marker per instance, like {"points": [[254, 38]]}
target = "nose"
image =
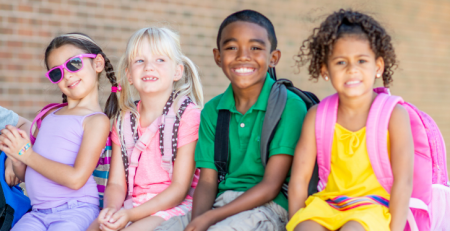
{"points": [[243, 55], [352, 68], [67, 74], [149, 66]]}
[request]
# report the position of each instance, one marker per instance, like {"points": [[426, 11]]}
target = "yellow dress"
{"points": [[351, 175]]}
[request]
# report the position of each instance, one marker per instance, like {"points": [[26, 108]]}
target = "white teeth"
{"points": [[245, 70], [145, 79], [73, 84], [352, 82]]}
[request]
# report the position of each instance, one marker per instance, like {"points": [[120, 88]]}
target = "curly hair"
{"points": [[319, 45]]}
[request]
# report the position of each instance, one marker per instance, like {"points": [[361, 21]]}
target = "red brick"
{"points": [[6, 7], [25, 8], [25, 32], [14, 44], [5, 55]]}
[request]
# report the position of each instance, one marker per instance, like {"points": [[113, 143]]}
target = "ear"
{"points": [[216, 53], [274, 58], [179, 72], [128, 74], [380, 66], [99, 63], [324, 72]]}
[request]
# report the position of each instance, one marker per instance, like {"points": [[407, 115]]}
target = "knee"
{"points": [[309, 226], [352, 226]]}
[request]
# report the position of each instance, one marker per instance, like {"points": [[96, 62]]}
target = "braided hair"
{"points": [[85, 43], [317, 48]]}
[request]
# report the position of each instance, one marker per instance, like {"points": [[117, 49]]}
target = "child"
{"points": [[249, 197], [58, 168], [167, 82], [351, 50], [8, 117]]}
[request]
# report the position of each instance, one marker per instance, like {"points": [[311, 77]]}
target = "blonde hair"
{"points": [[166, 42]]}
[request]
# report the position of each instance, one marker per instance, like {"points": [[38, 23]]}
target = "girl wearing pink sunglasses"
{"points": [[57, 169]]}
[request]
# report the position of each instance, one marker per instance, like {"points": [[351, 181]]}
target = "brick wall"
{"points": [[420, 30]]}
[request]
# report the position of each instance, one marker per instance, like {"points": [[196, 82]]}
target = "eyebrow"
{"points": [[363, 55], [251, 40]]}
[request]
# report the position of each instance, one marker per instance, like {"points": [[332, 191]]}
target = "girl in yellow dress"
{"points": [[351, 50]]}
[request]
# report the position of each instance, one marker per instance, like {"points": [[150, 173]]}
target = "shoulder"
{"points": [[191, 114], [210, 109], [295, 102], [398, 116], [96, 121]]}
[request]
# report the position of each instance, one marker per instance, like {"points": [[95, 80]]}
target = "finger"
{"points": [[109, 214], [119, 224], [23, 134], [8, 180], [104, 228], [16, 181], [14, 131], [4, 148], [7, 133]]}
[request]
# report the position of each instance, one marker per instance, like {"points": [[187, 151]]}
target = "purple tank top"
{"points": [[59, 139]]}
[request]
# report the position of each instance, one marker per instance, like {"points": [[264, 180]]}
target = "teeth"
{"points": [[145, 79], [244, 70], [73, 84], [353, 82]]}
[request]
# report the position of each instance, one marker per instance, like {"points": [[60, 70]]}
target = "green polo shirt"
{"points": [[245, 169]]}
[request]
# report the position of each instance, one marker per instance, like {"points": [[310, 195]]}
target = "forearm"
{"points": [[62, 174], [252, 198], [114, 196], [399, 204], [169, 198], [298, 193], [19, 169], [204, 197]]}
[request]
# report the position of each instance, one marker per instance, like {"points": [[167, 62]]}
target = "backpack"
{"points": [[101, 171], [133, 145], [430, 166], [275, 107], [13, 202]]}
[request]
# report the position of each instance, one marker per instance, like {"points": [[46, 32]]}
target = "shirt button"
{"points": [[242, 125]]}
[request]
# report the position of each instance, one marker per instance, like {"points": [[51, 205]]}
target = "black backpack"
{"points": [[275, 107]]}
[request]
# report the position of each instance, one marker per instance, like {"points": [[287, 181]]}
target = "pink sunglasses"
{"points": [[74, 64]]}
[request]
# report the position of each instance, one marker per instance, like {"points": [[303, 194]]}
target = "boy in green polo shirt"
{"points": [[249, 197]]}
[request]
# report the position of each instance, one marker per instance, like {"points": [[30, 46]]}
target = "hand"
{"points": [[12, 140], [201, 223], [117, 221], [10, 177]]}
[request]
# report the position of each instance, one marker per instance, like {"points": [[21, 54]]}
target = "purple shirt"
{"points": [[59, 139]]}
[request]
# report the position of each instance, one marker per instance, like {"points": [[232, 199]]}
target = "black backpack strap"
{"points": [[221, 143], [7, 217], [275, 107]]}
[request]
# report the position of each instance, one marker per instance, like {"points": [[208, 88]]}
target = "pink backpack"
{"points": [[133, 146], [101, 172], [430, 182]]}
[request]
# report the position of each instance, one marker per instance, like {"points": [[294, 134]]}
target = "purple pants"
{"points": [[71, 216]]}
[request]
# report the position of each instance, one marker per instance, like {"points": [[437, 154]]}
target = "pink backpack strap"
{"points": [[326, 117], [376, 133], [38, 119]]}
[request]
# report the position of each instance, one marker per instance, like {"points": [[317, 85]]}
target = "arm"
{"points": [[23, 124], [94, 138], [303, 164], [276, 171], [205, 193], [402, 162]]}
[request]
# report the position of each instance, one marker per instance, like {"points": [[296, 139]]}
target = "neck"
{"points": [[152, 105], [89, 102], [246, 98], [353, 112]]}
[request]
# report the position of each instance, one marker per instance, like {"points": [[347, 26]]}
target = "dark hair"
{"points": [[319, 45], [253, 17], [85, 43]]}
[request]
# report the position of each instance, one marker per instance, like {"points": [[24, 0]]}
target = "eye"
{"points": [[362, 61], [255, 48], [231, 48], [341, 63], [139, 61], [160, 60]]}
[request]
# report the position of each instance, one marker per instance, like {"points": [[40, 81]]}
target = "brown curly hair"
{"points": [[319, 45]]}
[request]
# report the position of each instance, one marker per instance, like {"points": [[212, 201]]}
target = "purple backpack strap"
{"points": [[326, 117], [38, 119], [376, 133]]}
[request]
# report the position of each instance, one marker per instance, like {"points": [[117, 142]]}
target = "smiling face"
{"points": [[81, 83], [153, 73], [352, 67], [245, 55]]}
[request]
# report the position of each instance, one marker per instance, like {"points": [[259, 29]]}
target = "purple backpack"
{"points": [[101, 171], [430, 181]]}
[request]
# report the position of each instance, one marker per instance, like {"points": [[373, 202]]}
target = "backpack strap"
{"points": [[376, 133], [38, 119], [221, 143], [168, 132], [326, 117], [275, 107]]}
